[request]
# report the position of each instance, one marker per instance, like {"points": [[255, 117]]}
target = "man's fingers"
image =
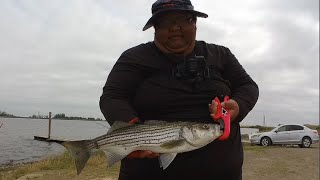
{"points": [[148, 154], [153, 155], [134, 154], [227, 104], [142, 154], [213, 107], [233, 108], [145, 153]]}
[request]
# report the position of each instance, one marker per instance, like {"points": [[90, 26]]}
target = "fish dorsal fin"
{"points": [[113, 158], [119, 124], [166, 159], [154, 122]]}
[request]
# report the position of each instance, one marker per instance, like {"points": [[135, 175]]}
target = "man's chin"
{"points": [[177, 48], [177, 51]]}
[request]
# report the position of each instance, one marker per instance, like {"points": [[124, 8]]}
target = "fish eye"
{"points": [[205, 126]]}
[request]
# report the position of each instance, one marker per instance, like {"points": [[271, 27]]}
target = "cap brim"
{"points": [[154, 16]]}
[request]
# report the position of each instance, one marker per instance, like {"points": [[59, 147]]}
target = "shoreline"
{"points": [[245, 142], [277, 162], [51, 119]]}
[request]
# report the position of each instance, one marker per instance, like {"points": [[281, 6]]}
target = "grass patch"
{"points": [[253, 148], [315, 127], [62, 167], [63, 161], [250, 147]]}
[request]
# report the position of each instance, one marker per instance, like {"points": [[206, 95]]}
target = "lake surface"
{"points": [[18, 146]]}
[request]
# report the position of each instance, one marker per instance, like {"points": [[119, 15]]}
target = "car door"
{"points": [[281, 135], [296, 133]]}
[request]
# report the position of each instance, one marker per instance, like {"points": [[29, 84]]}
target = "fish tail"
{"points": [[79, 151]]}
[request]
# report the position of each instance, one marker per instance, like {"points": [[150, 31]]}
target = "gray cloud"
{"points": [[56, 55]]}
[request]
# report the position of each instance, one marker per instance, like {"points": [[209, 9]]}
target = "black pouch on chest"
{"points": [[199, 68]]}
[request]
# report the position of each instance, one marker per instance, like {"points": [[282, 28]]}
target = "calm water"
{"points": [[17, 144], [16, 137]]}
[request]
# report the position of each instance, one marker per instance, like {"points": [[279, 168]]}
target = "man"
{"points": [[174, 78]]}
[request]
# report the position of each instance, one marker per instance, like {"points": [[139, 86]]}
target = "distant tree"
{"points": [[59, 116], [34, 116], [64, 116], [4, 114], [38, 116]]}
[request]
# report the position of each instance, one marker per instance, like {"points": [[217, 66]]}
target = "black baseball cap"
{"points": [[164, 6]]}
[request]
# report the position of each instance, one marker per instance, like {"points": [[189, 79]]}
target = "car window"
{"points": [[295, 127], [283, 128]]}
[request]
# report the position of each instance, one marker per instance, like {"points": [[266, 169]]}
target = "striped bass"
{"points": [[165, 138]]}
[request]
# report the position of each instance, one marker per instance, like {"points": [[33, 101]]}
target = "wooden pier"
{"points": [[42, 138], [48, 139]]}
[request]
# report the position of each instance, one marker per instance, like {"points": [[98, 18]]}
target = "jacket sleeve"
{"points": [[116, 100], [243, 89]]}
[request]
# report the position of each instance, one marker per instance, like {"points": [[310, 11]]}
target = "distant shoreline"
{"points": [[313, 126], [51, 118]]}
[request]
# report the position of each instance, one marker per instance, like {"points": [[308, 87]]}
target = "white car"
{"points": [[286, 134]]}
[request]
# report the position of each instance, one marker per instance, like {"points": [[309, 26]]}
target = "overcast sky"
{"points": [[56, 55]]}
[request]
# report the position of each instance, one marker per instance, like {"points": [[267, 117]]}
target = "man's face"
{"points": [[175, 31]]}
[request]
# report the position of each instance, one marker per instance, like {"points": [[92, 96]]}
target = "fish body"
{"points": [[165, 138]]}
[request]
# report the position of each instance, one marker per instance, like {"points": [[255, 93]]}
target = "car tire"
{"points": [[265, 141], [305, 143]]}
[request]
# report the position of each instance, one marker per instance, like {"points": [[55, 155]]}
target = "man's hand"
{"points": [[143, 154], [140, 153], [231, 105]]}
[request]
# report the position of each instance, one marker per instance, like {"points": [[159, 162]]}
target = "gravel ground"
{"points": [[281, 163]]}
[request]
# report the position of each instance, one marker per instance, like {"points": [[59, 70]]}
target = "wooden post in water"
{"points": [[49, 131], [48, 139]]}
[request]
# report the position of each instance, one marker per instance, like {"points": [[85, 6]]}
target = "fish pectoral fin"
{"points": [[172, 144], [166, 159], [113, 158]]}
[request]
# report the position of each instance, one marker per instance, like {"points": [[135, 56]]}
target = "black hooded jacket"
{"points": [[144, 83]]}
